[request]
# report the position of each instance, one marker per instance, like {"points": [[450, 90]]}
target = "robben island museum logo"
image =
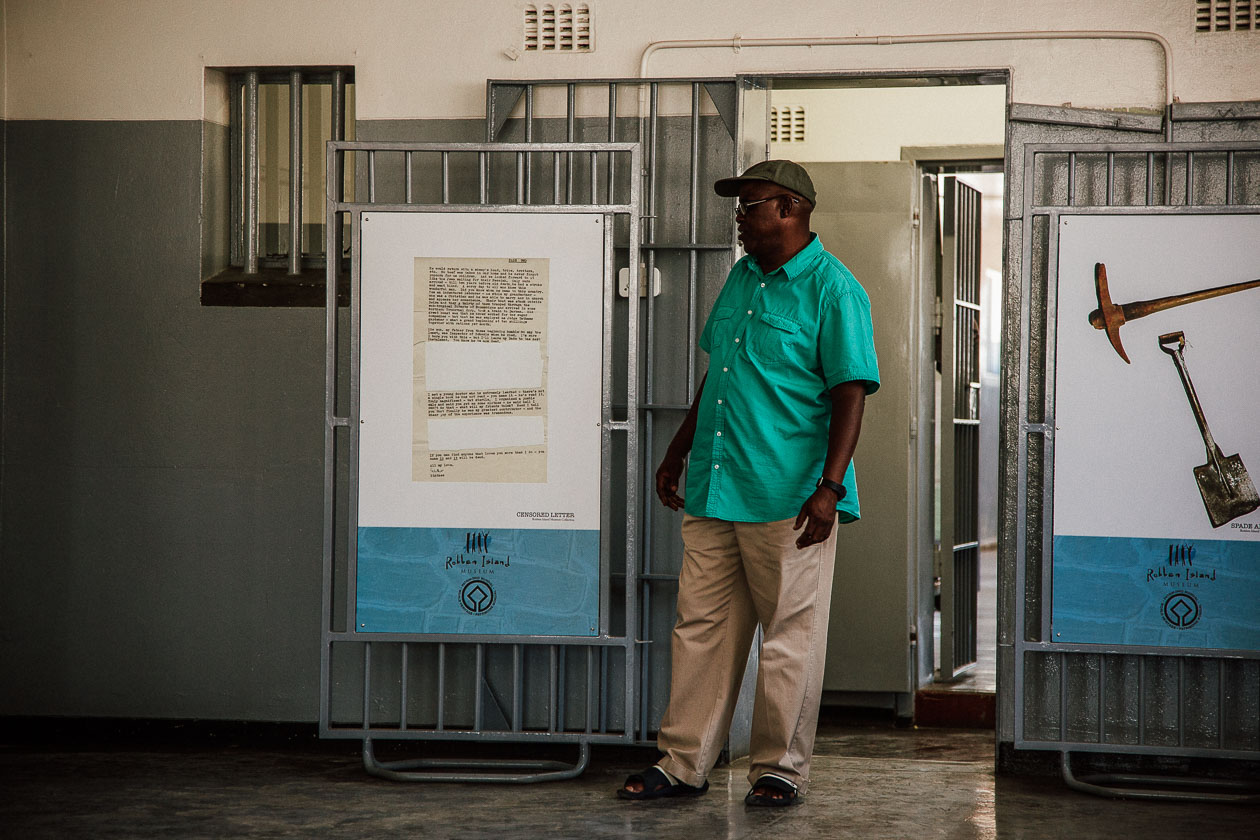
{"points": [[474, 557]]}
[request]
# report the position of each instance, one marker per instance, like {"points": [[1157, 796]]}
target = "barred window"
{"points": [[279, 119]]}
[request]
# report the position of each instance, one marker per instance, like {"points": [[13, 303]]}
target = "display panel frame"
{"points": [[493, 526], [1143, 555]]}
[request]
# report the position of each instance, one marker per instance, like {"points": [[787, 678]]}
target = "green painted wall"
{"points": [[162, 498], [162, 488]]}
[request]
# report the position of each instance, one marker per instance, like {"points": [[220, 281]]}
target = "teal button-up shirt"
{"points": [[777, 344]]}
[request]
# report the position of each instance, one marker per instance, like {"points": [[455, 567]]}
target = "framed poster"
{"points": [[480, 427], [1156, 517]]}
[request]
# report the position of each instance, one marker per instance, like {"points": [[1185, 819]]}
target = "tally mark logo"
{"points": [[476, 542], [1180, 555]]}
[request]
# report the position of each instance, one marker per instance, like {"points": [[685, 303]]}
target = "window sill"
{"points": [[270, 287]]}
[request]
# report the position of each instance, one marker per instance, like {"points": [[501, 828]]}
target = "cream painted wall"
{"points": [[145, 59], [216, 106], [875, 123], [4, 59]]}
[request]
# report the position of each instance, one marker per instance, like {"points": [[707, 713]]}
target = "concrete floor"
{"points": [[868, 782]]}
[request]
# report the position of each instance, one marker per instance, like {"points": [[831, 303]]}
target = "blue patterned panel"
{"points": [[496, 581], [1157, 592]]}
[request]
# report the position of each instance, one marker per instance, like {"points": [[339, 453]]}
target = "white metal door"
{"points": [[867, 217]]}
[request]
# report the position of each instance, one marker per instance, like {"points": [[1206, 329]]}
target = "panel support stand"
{"points": [[503, 771], [1160, 788]]}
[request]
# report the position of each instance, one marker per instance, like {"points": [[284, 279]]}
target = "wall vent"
{"points": [[787, 124], [1226, 15], [559, 27]]}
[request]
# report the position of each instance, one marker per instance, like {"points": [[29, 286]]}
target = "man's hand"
{"points": [[818, 515], [667, 477], [669, 473]]}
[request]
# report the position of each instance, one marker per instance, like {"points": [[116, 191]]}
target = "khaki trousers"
{"points": [[734, 576]]}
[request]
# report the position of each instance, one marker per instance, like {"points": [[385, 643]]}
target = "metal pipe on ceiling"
{"points": [[737, 43]]}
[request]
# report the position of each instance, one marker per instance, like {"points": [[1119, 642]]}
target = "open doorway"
{"points": [[879, 150], [969, 201]]}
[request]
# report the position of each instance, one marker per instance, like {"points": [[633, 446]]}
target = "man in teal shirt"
{"points": [[770, 436]]}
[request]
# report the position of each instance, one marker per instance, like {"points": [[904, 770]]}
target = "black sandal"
{"points": [[790, 796], [656, 785]]}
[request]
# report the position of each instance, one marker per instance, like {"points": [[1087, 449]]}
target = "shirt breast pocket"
{"points": [[721, 326], [779, 340]]}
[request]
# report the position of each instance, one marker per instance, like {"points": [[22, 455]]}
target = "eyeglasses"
{"points": [[741, 206]]}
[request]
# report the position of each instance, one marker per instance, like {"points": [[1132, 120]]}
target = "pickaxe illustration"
{"points": [[1112, 316]]}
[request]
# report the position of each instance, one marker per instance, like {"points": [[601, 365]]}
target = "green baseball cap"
{"points": [[785, 173]]}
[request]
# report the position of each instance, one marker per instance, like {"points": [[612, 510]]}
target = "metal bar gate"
{"points": [[1093, 698], [958, 560], [687, 128], [536, 689]]}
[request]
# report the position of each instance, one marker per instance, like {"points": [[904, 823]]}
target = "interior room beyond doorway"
{"points": [[881, 146]]}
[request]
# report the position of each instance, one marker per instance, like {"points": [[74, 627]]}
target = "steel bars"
{"points": [[251, 172], [295, 172]]}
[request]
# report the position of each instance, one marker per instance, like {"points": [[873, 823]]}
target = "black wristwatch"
{"points": [[834, 486]]}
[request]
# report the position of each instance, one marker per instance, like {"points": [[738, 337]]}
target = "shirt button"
{"points": [[715, 466], [737, 341], [719, 402], [724, 370], [719, 434], [749, 311], [763, 285]]}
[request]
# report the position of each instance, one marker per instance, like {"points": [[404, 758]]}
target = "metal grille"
{"points": [[787, 124], [1096, 698], [559, 28], [1226, 15], [395, 686]]}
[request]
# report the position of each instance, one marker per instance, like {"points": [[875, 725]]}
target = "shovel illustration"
{"points": [[1223, 481]]}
